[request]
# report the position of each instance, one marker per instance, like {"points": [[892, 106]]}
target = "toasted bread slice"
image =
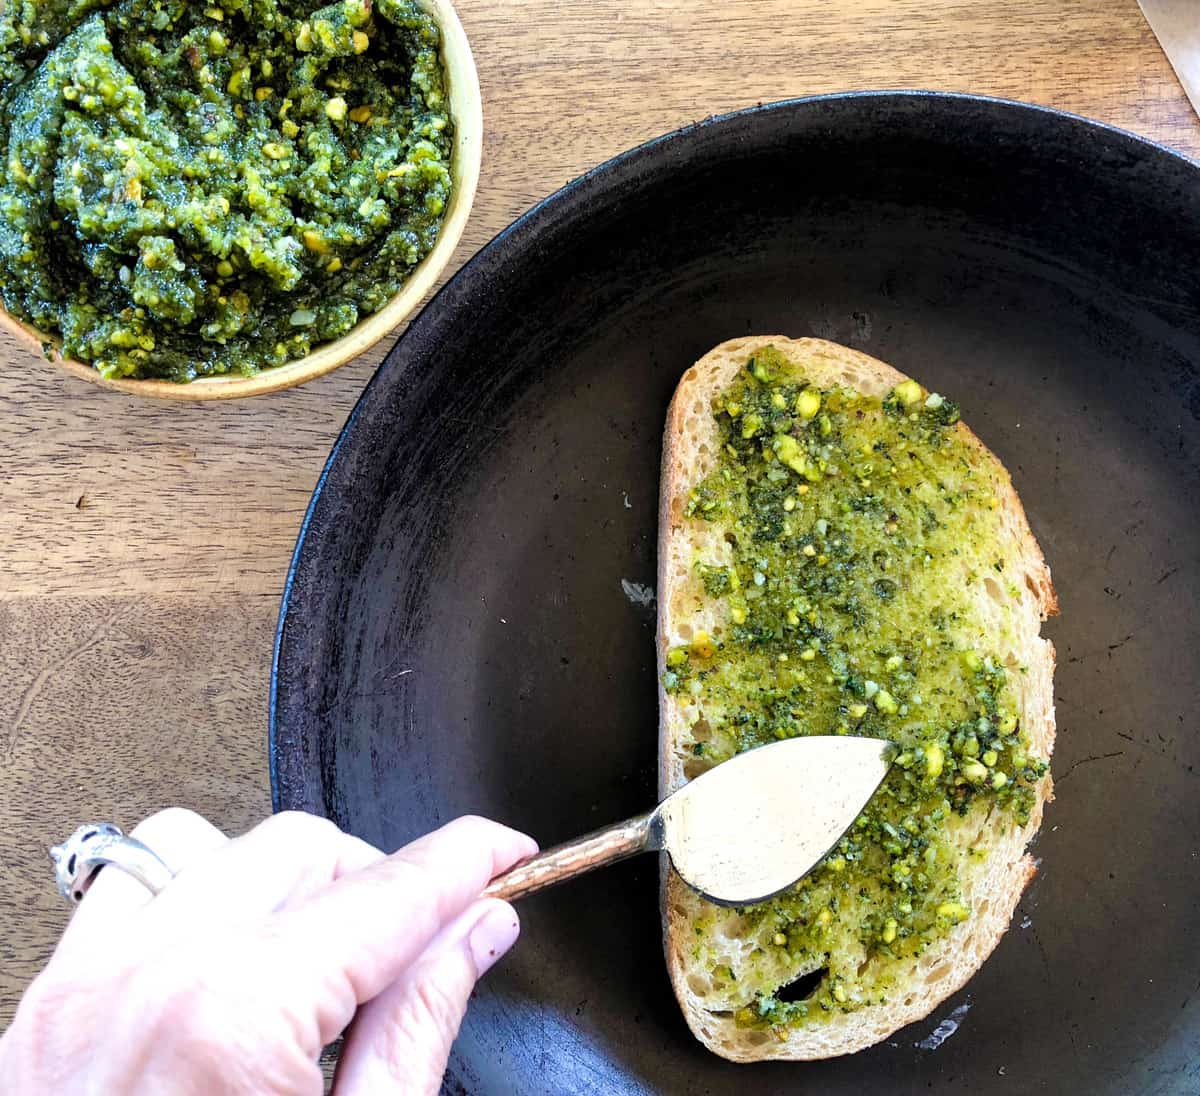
{"points": [[991, 883]]}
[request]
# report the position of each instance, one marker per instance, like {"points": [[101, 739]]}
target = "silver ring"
{"points": [[78, 860]]}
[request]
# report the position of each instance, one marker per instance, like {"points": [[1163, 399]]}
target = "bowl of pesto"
{"points": [[213, 200]]}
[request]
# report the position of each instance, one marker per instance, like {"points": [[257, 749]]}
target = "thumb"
{"points": [[400, 1041]]}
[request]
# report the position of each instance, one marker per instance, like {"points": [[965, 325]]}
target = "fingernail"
{"points": [[494, 933]]}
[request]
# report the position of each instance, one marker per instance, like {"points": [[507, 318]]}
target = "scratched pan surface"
{"points": [[461, 629]]}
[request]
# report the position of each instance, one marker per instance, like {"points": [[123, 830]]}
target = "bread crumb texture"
{"points": [[839, 554]]}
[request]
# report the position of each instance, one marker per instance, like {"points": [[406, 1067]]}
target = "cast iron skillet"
{"points": [[457, 632]]}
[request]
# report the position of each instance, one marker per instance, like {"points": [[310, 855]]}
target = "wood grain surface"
{"points": [[143, 546]]}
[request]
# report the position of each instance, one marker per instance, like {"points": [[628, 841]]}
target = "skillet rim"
{"points": [[567, 204]]}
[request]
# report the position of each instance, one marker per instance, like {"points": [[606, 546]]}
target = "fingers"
{"points": [[400, 1041], [285, 859], [179, 837], [352, 939]]}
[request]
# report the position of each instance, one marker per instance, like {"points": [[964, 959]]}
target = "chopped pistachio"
{"points": [[808, 403], [975, 772], [886, 703]]}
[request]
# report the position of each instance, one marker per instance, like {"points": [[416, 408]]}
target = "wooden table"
{"points": [[143, 547]]}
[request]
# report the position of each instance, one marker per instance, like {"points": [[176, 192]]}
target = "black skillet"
{"points": [[460, 630]]}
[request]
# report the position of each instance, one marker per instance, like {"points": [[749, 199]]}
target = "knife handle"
{"points": [[563, 862]]}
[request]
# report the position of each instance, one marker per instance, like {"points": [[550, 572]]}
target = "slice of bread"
{"points": [[991, 882]]}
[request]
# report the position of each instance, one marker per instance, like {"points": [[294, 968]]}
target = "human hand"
{"points": [[261, 951]]}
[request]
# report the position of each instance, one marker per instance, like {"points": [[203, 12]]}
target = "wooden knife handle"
{"points": [[563, 862]]}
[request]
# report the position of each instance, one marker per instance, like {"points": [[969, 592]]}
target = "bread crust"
{"points": [[993, 890]]}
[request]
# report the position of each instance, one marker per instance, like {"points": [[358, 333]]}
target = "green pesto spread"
{"points": [[191, 189], [852, 528]]}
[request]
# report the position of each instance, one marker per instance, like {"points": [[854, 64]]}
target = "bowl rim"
{"points": [[466, 106]]}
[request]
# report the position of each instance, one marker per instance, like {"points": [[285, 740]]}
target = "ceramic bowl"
{"points": [[467, 112]]}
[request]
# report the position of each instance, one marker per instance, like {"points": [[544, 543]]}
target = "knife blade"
{"points": [[739, 833], [1176, 24]]}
